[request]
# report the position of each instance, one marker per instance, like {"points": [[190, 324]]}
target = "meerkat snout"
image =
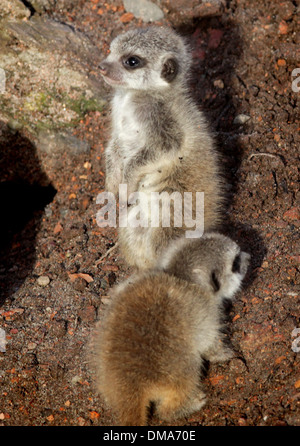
{"points": [[110, 72], [103, 68]]}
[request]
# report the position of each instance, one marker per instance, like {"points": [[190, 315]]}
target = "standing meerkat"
{"points": [[161, 324], [160, 141]]}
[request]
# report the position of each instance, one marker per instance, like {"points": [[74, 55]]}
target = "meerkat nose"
{"points": [[103, 68]]}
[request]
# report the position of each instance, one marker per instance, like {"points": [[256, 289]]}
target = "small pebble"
{"points": [[281, 62], [43, 280], [283, 27], [48, 211], [76, 379], [81, 421], [14, 125], [292, 214], [241, 119], [127, 17], [144, 9]]}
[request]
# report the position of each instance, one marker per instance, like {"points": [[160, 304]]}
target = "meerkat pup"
{"points": [[161, 324], [160, 141]]}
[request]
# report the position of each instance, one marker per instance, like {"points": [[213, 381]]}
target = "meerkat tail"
{"points": [[133, 411]]}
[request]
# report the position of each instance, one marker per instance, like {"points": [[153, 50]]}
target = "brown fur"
{"points": [[160, 140], [139, 345], [150, 345]]}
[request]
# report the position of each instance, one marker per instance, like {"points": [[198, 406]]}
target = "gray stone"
{"points": [[43, 280], [181, 11], [14, 125], [46, 66], [241, 119], [144, 9], [49, 34], [13, 9], [41, 5], [55, 142]]}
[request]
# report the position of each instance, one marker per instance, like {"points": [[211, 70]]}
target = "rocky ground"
{"points": [[54, 118]]}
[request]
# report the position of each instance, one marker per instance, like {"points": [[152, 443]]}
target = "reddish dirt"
{"points": [[243, 63]]}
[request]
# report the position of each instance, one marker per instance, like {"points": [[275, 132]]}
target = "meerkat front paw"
{"points": [[112, 185]]}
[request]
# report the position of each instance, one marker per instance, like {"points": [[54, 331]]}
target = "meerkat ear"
{"points": [[215, 280], [169, 70]]}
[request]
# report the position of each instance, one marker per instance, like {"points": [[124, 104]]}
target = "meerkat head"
{"points": [[214, 261], [146, 59]]}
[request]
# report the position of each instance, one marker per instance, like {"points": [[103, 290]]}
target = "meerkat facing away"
{"points": [[160, 325], [160, 141]]}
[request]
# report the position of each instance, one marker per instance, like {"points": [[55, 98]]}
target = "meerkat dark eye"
{"points": [[215, 282], [236, 264], [132, 62]]}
